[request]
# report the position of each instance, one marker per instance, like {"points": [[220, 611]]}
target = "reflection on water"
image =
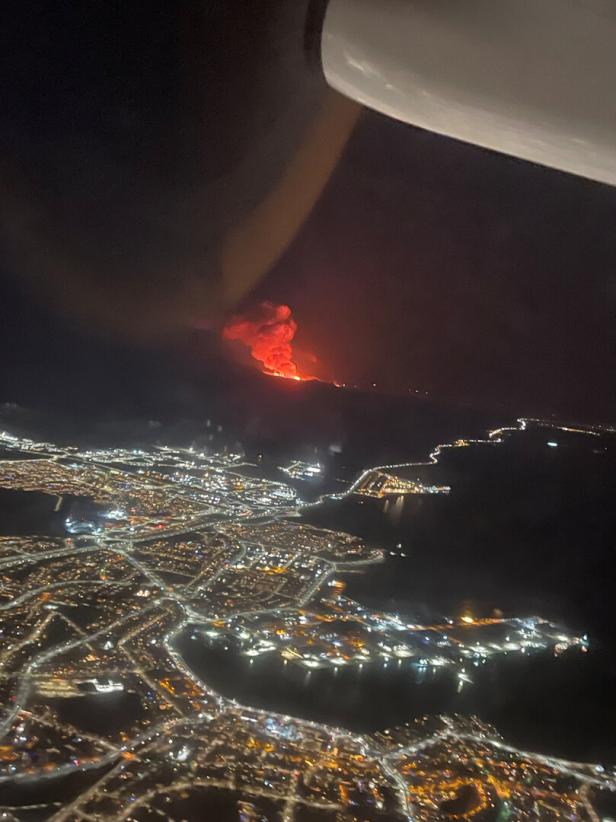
{"points": [[558, 705], [33, 512]]}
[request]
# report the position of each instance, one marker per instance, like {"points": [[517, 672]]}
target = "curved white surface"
{"points": [[532, 78]]}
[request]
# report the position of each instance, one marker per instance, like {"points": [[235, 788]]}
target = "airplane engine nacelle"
{"points": [[535, 79]]}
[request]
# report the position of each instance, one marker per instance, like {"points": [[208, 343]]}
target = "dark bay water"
{"points": [[25, 513], [558, 706], [29, 512]]}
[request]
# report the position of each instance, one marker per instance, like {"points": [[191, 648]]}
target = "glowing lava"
{"points": [[268, 331]]}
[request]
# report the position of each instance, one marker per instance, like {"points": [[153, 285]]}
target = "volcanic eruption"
{"points": [[268, 331]]}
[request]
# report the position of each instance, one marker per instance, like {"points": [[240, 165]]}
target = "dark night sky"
{"points": [[426, 263], [440, 265]]}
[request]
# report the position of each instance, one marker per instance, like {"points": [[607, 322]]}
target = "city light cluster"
{"points": [[154, 544]]}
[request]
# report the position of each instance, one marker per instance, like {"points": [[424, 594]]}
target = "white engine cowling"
{"points": [[535, 79]]}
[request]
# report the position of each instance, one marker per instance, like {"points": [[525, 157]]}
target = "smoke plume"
{"points": [[268, 331]]}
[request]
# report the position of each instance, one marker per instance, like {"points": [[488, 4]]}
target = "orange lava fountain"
{"points": [[268, 331]]}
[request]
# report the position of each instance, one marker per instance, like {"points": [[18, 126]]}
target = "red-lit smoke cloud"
{"points": [[268, 331]]}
